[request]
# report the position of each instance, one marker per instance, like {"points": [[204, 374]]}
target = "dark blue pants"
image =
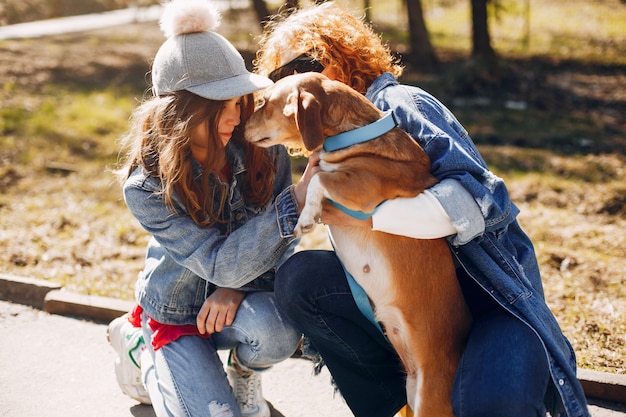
{"points": [[503, 371]]}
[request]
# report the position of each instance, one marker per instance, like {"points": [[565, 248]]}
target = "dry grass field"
{"points": [[65, 100]]}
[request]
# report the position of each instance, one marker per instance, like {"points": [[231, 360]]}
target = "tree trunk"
{"points": [[481, 41], [261, 10], [422, 54], [291, 4], [481, 72]]}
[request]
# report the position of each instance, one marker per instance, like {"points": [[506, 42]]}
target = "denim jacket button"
{"points": [[561, 382]]}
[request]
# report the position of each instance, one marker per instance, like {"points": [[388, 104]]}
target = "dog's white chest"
{"points": [[362, 258]]}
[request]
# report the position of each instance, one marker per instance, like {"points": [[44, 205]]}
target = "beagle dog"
{"points": [[411, 283]]}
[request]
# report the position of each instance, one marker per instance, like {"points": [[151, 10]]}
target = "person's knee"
{"points": [[287, 286], [301, 276], [303, 280]]}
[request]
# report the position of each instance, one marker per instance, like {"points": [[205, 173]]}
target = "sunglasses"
{"points": [[300, 64]]}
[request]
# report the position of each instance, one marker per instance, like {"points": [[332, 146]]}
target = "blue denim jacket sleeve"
{"points": [[464, 213], [475, 199], [224, 259]]}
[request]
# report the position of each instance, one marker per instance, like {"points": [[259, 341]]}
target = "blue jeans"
{"points": [[503, 371], [186, 377]]}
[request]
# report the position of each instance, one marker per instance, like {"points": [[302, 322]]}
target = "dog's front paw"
{"points": [[303, 226], [312, 210]]}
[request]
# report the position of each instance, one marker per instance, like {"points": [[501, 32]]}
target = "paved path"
{"points": [[57, 366], [79, 23], [96, 21]]}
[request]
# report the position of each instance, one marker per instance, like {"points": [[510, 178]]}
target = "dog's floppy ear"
{"points": [[309, 120], [306, 110]]}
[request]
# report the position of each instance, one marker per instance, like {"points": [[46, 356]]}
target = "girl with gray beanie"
{"points": [[221, 214]]}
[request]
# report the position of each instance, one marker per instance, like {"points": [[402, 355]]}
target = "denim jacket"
{"points": [[185, 263], [489, 245]]}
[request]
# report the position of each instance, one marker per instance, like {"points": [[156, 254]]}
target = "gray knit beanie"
{"points": [[197, 59]]}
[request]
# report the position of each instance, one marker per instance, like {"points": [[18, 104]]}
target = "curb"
{"points": [[95, 308], [603, 385], [27, 291], [51, 298]]}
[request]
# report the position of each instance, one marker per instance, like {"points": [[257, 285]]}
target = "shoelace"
{"points": [[247, 388]]}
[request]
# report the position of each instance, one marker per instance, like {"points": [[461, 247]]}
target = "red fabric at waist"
{"points": [[162, 334]]}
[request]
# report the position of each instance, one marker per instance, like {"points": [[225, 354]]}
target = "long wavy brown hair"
{"points": [[334, 37], [159, 143]]}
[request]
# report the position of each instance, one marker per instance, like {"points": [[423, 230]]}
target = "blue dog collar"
{"points": [[361, 134], [360, 215]]}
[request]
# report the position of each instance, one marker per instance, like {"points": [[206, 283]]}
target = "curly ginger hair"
{"points": [[334, 37]]}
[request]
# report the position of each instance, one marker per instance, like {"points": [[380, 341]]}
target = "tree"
{"points": [[263, 13], [291, 4], [261, 10], [482, 51], [422, 53]]}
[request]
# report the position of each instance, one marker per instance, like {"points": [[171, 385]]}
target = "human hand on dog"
{"points": [[219, 310], [311, 169], [333, 216]]}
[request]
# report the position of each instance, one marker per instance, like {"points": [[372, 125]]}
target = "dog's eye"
{"points": [[259, 102]]}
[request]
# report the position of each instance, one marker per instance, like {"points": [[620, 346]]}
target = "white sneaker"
{"points": [[128, 342], [247, 391]]}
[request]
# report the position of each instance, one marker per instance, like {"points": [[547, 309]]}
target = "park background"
{"points": [[551, 121]]}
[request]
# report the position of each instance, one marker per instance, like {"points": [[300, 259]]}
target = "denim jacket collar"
{"points": [[385, 80]]}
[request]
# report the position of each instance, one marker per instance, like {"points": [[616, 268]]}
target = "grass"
{"points": [[61, 145], [576, 29], [72, 126], [62, 217]]}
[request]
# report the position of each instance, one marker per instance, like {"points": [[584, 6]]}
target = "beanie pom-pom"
{"points": [[189, 16]]}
